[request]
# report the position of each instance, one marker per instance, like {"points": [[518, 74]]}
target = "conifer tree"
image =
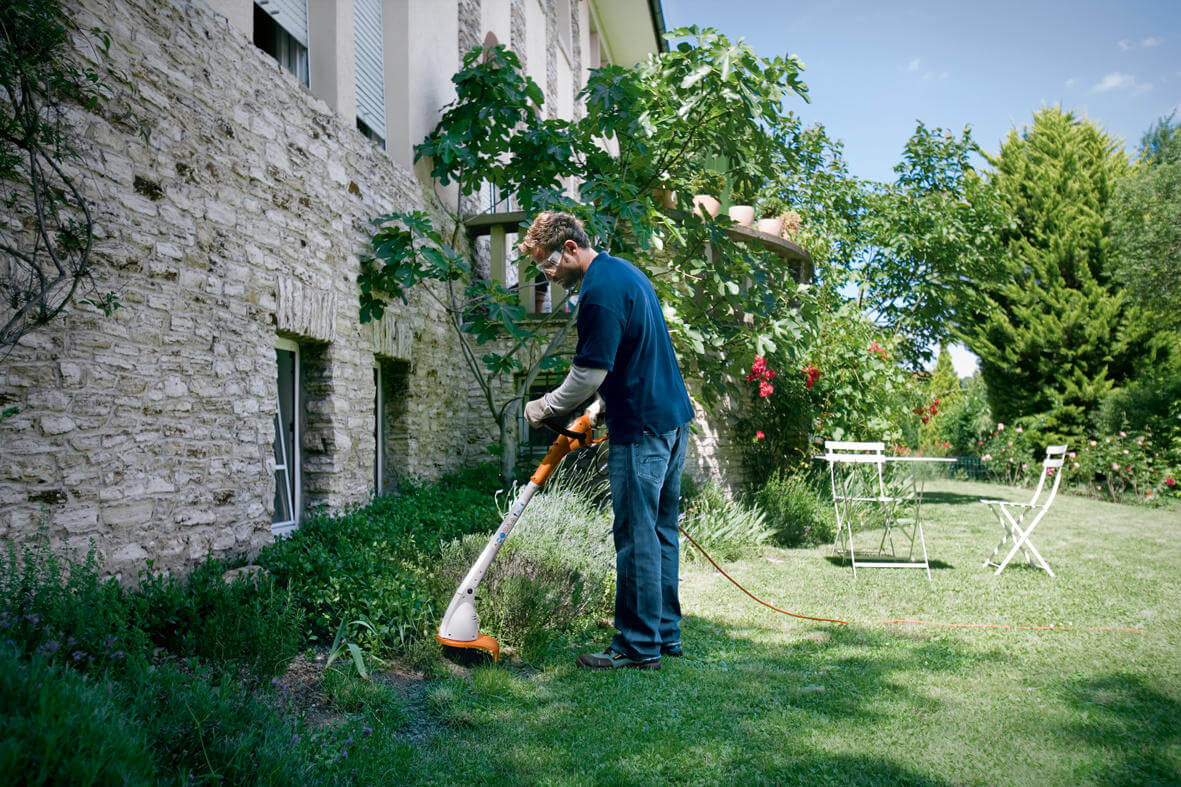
{"points": [[943, 392], [1058, 332]]}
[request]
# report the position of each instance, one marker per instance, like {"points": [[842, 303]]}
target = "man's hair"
{"points": [[550, 231]]}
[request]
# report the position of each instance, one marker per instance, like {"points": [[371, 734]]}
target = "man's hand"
{"points": [[536, 412]]}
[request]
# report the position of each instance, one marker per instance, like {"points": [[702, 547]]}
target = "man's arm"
{"points": [[580, 384]]}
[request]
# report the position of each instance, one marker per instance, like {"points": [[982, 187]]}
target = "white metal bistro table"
{"points": [[871, 498]]}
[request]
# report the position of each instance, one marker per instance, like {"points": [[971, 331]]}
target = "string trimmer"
{"points": [[461, 623]]}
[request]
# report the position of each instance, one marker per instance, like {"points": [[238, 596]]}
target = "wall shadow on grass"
{"points": [[735, 708], [1135, 725]]}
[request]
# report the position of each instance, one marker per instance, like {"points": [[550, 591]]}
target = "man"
{"points": [[624, 352]]}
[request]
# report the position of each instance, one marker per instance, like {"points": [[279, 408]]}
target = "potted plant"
{"points": [[771, 209], [707, 185], [742, 212], [792, 224]]}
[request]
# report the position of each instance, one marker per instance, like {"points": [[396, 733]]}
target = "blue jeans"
{"points": [[646, 499]]}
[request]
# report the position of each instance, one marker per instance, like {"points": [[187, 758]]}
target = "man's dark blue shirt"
{"points": [[621, 329]]}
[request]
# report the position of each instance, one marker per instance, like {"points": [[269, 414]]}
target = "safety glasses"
{"points": [[550, 262]]}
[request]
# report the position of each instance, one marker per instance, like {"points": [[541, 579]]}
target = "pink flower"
{"points": [[1170, 481], [765, 389], [1072, 455], [1123, 434], [812, 374], [757, 369], [979, 442], [1148, 493], [1093, 443], [1000, 427], [1115, 465], [1019, 430], [986, 458], [759, 435], [947, 445]]}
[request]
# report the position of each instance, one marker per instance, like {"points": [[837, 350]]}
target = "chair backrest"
{"points": [[854, 452], [1051, 465]]}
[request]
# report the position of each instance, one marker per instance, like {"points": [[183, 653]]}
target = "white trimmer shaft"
{"points": [[461, 622]]}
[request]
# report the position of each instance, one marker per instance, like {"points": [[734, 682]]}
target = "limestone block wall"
{"points": [[237, 218]]}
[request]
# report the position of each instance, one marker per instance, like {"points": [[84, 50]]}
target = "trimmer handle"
{"points": [[556, 426], [568, 439]]}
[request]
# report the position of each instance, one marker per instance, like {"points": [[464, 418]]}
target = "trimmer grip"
{"points": [[562, 446]]}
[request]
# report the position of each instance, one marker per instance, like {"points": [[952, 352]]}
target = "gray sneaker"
{"points": [[609, 659]]}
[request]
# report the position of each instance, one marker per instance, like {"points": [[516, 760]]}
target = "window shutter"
{"points": [[370, 64], [291, 15]]}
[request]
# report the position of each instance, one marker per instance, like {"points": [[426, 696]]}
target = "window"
{"points": [[391, 435], [281, 30], [370, 69], [535, 442], [286, 442]]}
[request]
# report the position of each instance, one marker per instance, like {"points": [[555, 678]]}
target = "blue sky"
{"points": [[874, 68]]}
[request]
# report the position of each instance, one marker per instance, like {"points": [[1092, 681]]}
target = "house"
{"points": [[233, 182]]}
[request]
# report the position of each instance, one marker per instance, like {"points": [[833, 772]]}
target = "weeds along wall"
{"points": [[234, 221]]}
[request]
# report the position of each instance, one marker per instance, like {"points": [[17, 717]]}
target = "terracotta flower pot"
{"points": [[742, 215], [704, 202], [771, 226]]}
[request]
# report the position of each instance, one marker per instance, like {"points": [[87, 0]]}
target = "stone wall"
{"points": [[238, 218], [235, 219]]}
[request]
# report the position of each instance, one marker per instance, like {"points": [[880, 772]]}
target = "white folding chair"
{"points": [[848, 496], [1015, 527]]}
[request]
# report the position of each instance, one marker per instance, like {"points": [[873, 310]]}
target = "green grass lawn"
{"points": [[761, 697]]}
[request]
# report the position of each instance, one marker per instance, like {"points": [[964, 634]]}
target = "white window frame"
{"points": [[294, 480]]}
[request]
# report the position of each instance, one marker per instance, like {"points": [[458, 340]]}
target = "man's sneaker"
{"points": [[609, 659], [671, 650]]}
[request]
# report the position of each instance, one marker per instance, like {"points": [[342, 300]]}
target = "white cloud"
{"points": [[1125, 45], [1152, 41], [912, 66], [1072, 82], [1142, 89], [1114, 81]]}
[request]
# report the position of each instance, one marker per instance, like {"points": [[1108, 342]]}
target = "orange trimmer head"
{"points": [[460, 650]]}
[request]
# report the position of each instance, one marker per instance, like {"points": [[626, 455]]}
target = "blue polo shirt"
{"points": [[621, 329]]}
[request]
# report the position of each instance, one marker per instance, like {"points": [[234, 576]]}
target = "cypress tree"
{"points": [[1058, 332]]}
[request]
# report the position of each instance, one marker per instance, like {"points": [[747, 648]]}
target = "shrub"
{"points": [[369, 562], [60, 609], [554, 574], [1122, 468], [796, 512], [725, 527], [250, 622], [58, 727]]}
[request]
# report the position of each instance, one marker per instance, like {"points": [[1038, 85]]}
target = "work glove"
{"points": [[536, 412], [597, 412]]}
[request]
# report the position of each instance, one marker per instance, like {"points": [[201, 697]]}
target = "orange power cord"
{"points": [[899, 620]]}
